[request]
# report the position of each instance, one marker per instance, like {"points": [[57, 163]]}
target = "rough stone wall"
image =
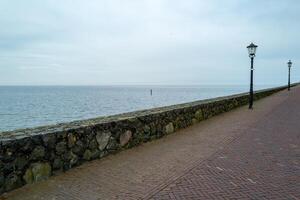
{"points": [[31, 155]]}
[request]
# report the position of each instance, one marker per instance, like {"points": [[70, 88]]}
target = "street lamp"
{"points": [[251, 50], [289, 82]]}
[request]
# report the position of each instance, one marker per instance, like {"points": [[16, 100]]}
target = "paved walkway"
{"points": [[242, 154]]}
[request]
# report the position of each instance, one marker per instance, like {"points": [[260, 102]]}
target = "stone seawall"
{"points": [[32, 155]]}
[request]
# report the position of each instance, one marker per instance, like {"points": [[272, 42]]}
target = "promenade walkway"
{"points": [[242, 154]]}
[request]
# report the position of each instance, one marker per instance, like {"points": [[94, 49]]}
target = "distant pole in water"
{"points": [[151, 92]]}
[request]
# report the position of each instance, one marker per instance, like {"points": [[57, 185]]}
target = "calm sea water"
{"points": [[30, 106]]}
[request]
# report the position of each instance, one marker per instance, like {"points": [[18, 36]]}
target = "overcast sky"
{"points": [[104, 42]]}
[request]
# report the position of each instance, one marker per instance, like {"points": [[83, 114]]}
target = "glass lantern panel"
{"points": [[251, 50]]}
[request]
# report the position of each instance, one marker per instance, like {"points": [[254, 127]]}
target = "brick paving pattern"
{"points": [[263, 163], [237, 155]]}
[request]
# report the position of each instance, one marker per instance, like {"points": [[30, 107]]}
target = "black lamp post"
{"points": [[289, 82], [251, 50]]}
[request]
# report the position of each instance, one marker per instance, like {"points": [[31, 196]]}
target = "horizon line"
{"points": [[66, 85]]}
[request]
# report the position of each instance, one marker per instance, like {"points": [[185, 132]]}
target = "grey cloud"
{"points": [[146, 41]]}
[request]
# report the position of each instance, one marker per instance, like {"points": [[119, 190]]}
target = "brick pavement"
{"points": [[262, 163], [241, 154]]}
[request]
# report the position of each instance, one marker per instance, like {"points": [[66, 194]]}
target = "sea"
{"points": [[31, 106]]}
